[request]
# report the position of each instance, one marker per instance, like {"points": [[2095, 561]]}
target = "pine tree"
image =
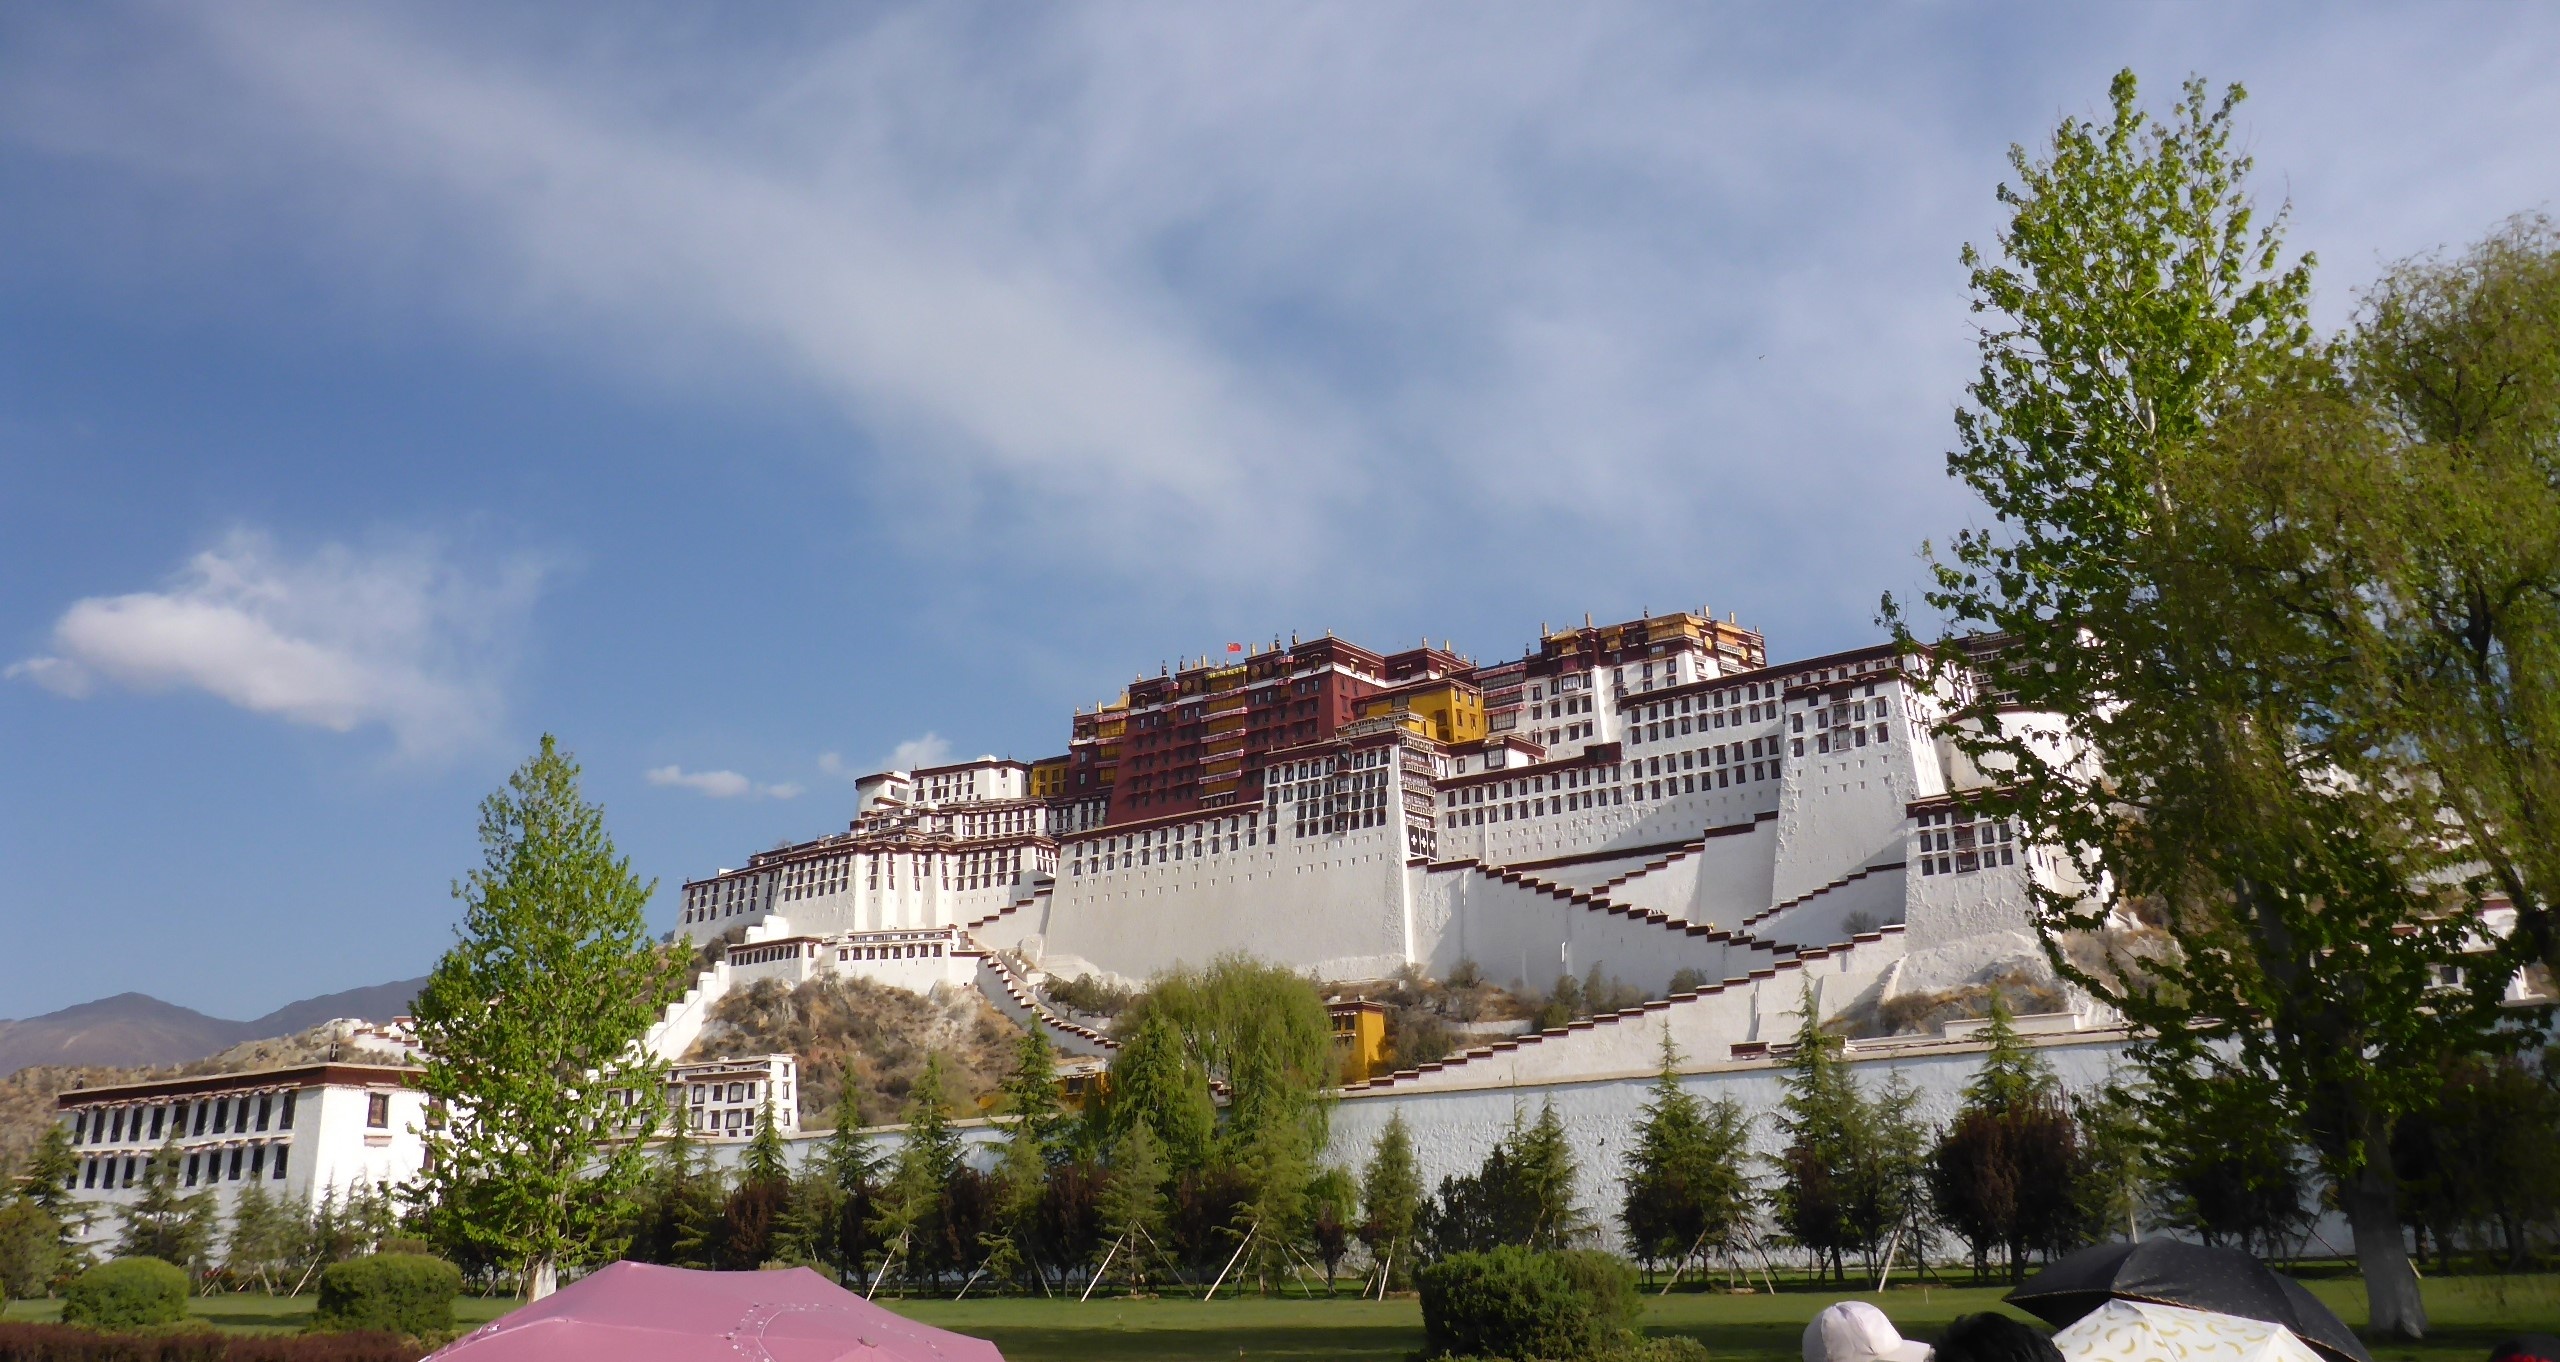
{"points": [[1021, 1182], [46, 1180], [1822, 1115], [1133, 1203], [1687, 1191], [261, 1239], [909, 1219], [1391, 1195], [530, 1023], [1032, 1097], [766, 1162], [762, 1200], [851, 1164], [2012, 1075], [1547, 1173], [162, 1223]]}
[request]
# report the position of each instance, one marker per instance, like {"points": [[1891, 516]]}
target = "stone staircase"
{"points": [[1012, 995]]}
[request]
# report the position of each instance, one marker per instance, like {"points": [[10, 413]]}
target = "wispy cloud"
{"points": [[340, 638], [720, 784], [1556, 306], [930, 750]]}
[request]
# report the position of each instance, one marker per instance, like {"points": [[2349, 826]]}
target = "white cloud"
{"points": [[720, 784], [1547, 309], [930, 750], [401, 636]]}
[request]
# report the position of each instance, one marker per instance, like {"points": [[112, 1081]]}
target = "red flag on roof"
{"points": [[1235, 647]]}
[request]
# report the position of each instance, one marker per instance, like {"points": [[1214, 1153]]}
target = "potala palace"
{"points": [[1652, 797]]}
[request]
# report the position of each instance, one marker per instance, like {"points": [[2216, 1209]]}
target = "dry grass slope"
{"points": [[867, 1040]]}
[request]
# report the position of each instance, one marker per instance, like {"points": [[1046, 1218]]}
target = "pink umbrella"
{"points": [[635, 1312]]}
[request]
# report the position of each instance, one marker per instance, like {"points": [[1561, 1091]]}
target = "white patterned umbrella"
{"points": [[2139, 1331]]}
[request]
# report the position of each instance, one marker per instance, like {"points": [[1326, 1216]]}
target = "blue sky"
{"points": [[753, 396]]}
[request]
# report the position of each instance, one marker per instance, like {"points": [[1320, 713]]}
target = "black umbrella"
{"points": [[2174, 1272]]}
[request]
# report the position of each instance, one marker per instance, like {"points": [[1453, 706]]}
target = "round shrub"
{"points": [[1511, 1302], [126, 1292], [396, 1293]]}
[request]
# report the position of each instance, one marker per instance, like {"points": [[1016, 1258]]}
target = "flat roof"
{"points": [[333, 1075]]}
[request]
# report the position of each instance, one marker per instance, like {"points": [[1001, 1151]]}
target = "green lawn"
{"points": [[2470, 1313]]}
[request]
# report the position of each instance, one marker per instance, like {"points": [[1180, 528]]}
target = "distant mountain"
{"points": [[134, 1029]]}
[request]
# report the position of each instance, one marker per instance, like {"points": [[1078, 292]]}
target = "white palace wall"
{"points": [[1454, 1127]]}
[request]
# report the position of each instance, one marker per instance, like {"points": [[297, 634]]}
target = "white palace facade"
{"points": [[1653, 798]]}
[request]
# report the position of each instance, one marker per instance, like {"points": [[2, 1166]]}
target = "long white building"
{"points": [[1652, 798], [302, 1133]]}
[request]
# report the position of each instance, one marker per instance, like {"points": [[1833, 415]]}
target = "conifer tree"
{"points": [[531, 1024], [909, 1220], [165, 1224], [1548, 1174], [1031, 1095], [46, 1180], [851, 1164], [761, 1202], [765, 1161], [1687, 1189], [1021, 1183], [1133, 1204], [1819, 1112], [1392, 1199], [261, 1238], [2012, 1075]]}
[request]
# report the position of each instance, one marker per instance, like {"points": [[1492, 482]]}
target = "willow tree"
{"points": [[2137, 655], [542, 1093]]}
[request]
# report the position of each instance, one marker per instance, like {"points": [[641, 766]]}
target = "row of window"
{"points": [[1954, 842], [209, 1115], [249, 1162], [1167, 844]]}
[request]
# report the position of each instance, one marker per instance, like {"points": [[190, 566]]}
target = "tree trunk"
{"points": [[2372, 1203], [541, 1278]]}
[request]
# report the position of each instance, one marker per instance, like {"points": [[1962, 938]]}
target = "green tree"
{"points": [[30, 1249], [1031, 1095], [46, 1180], [1021, 1187], [2158, 614], [531, 1024], [1392, 1199], [263, 1239], [761, 1202], [1688, 1191], [850, 1162], [1259, 1029], [678, 1220], [2012, 1075], [165, 1223], [1155, 1079], [1133, 1205], [1824, 1119], [910, 1220], [2430, 456]]}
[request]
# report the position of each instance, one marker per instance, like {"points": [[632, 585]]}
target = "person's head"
{"points": [[1854, 1331], [1995, 1338]]}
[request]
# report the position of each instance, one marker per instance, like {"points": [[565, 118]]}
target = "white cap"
{"points": [[1854, 1331]]}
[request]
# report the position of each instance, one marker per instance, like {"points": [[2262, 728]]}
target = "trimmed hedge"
{"points": [[66, 1343], [396, 1293], [1513, 1303], [125, 1293]]}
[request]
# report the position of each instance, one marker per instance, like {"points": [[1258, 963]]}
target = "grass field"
{"points": [[2470, 1313]]}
